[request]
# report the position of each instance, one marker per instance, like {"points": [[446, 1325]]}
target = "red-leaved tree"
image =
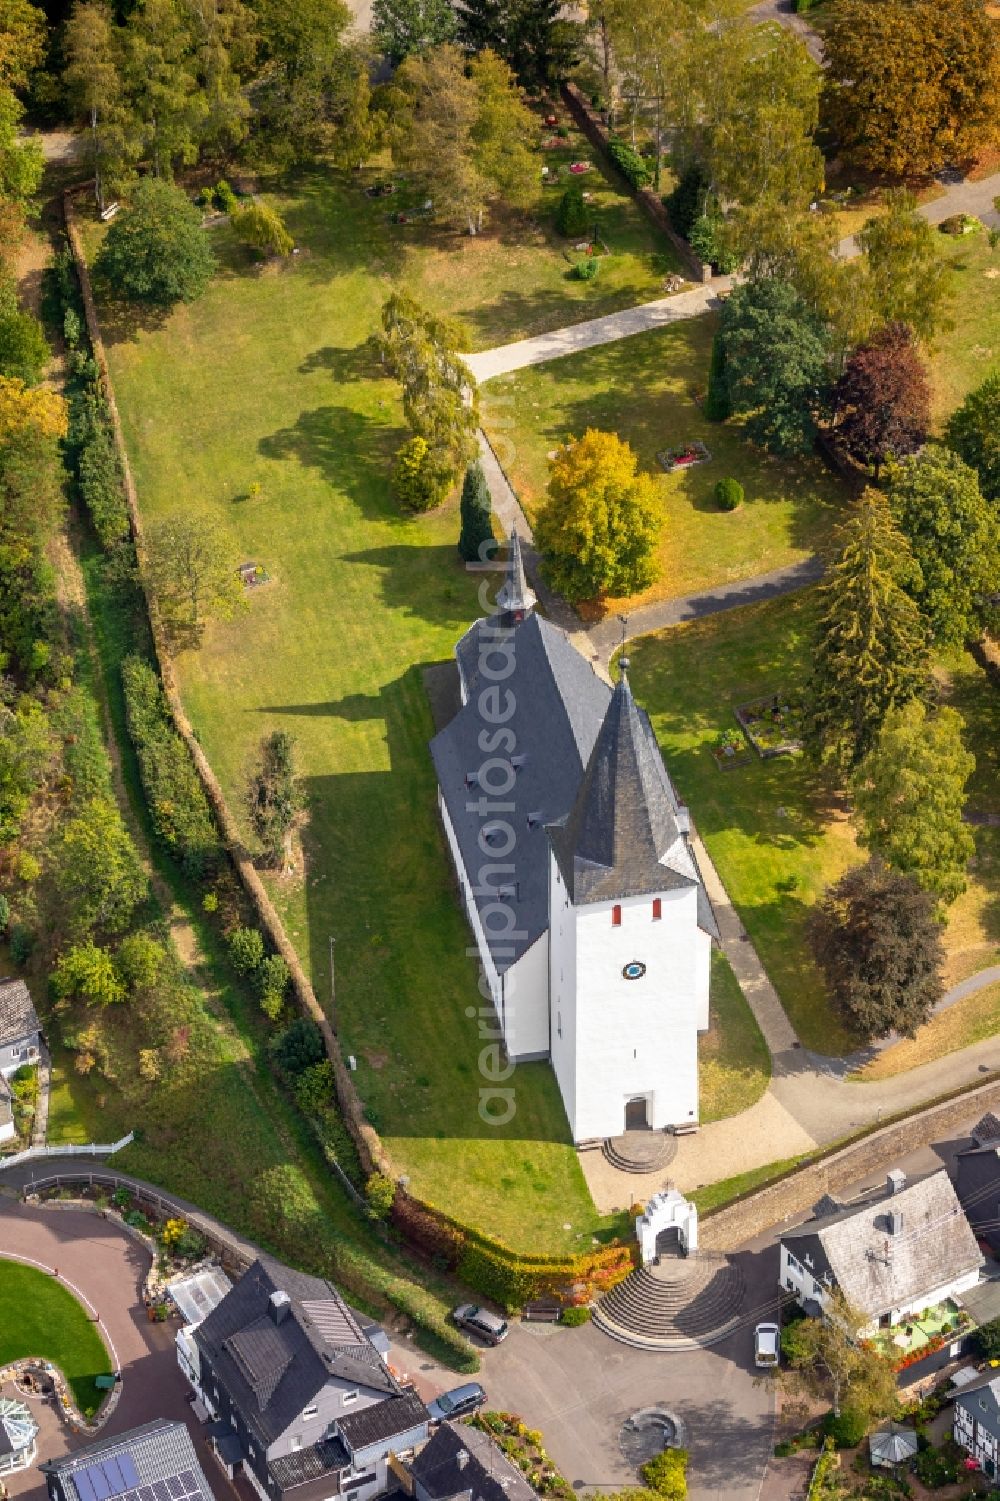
{"points": [[882, 400]]}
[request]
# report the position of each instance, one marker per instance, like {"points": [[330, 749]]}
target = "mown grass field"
{"points": [[40, 1317], [966, 354], [778, 830], [644, 389]]}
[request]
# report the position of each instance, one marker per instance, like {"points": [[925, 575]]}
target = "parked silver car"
{"points": [[476, 1320], [458, 1403], [767, 1346]]}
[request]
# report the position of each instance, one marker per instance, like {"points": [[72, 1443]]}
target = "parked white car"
{"points": [[767, 1346]]}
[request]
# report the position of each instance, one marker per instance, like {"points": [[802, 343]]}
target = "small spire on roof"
{"points": [[515, 599]]}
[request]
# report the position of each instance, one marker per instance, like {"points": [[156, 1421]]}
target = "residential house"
{"points": [[976, 1423], [7, 1128], [19, 1028], [156, 1462], [574, 862], [464, 1464], [977, 1182], [893, 1252], [301, 1397]]}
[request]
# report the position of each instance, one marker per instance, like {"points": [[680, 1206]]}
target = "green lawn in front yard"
{"points": [[965, 354], [643, 388], [734, 1065], [778, 830], [39, 1317]]}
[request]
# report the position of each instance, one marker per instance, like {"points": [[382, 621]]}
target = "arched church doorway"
{"points": [[637, 1114]]}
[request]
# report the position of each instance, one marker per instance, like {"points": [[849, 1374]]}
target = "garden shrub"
{"points": [[174, 795], [419, 479], [574, 1317], [101, 486], [986, 1340], [728, 494], [225, 199], [687, 201], [935, 1468], [960, 224], [846, 1429], [4, 914], [272, 976], [629, 163], [587, 270], [571, 215], [380, 1192], [299, 1046], [246, 950], [717, 404], [666, 1475]]}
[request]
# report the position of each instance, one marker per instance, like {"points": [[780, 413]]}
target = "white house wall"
{"points": [[627, 1038], [526, 1003], [797, 1278], [471, 912]]}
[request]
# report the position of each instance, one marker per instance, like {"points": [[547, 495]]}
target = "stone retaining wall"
{"points": [[794, 1195]]}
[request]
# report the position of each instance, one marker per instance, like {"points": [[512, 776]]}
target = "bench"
{"points": [[542, 1312]]}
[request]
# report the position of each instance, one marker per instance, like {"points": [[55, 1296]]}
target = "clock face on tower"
{"points": [[634, 970]]}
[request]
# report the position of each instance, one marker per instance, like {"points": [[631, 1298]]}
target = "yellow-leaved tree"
{"points": [[600, 525]]}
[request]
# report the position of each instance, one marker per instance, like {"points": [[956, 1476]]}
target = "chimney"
{"points": [[895, 1222], [462, 1458], [684, 819], [895, 1181], [279, 1306]]}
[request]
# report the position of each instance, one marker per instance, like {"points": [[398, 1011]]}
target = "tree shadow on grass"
{"points": [[351, 450], [123, 321], [429, 582]]}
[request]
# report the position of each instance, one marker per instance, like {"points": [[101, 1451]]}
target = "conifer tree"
{"points": [[871, 650], [477, 523], [717, 404]]}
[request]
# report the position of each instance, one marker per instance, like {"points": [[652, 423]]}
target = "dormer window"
{"points": [[349, 1397], [311, 1411]]}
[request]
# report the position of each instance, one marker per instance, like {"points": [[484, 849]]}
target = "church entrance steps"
{"points": [[640, 1151], [674, 1305]]}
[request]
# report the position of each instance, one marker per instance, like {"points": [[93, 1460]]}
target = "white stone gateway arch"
{"points": [[666, 1213]]}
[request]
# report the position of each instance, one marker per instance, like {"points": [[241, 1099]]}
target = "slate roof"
{"points": [[272, 1371], [304, 1465], [877, 1270], [18, 1018], [986, 1130], [370, 1425], [623, 836], [487, 1474], [160, 1450], [559, 705], [983, 1402]]}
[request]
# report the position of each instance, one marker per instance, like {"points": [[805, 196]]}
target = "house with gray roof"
{"points": [[893, 1252], [575, 868], [156, 1462], [299, 1394], [977, 1181], [976, 1423], [464, 1464], [7, 1128], [19, 1027]]}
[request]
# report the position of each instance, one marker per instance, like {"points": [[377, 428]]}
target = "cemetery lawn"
{"points": [[733, 1061], [966, 354], [40, 1317], [778, 830], [643, 388]]}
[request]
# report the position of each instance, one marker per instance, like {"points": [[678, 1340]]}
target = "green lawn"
{"points": [[39, 1317], [777, 830], [643, 388], [733, 1060], [966, 354]]}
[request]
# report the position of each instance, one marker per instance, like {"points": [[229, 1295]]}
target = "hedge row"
{"points": [[174, 795], [355, 1273], [629, 163], [504, 1275]]}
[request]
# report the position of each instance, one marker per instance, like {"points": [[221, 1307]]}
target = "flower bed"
{"points": [[773, 725], [731, 750], [683, 457], [523, 1447]]}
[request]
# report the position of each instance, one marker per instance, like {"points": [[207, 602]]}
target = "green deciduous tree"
{"points": [[876, 937], [191, 572], [828, 1360], [600, 524], [476, 542], [274, 795], [302, 50], [909, 793], [156, 251], [24, 352], [27, 750], [93, 46], [871, 648], [533, 36], [261, 226], [776, 364], [908, 281], [973, 432], [96, 870], [400, 27], [912, 85], [954, 535], [87, 972], [361, 130], [140, 960], [882, 401]]}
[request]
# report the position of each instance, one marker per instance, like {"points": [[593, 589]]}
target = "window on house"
{"points": [[349, 1397], [310, 1411], [657, 909], [616, 916], [559, 1023], [297, 1441]]}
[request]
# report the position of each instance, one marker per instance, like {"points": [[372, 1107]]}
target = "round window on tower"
{"points": [[634, 970]]}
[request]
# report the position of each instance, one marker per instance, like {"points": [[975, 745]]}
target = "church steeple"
{"points": [[515, 599], [622, 836]]}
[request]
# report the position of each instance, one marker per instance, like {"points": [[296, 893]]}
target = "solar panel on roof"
{"points": [[130, 1474], [146, 1494], [160, 1491], [189, 1480], [84, 1489], [117, 1483], [98, 1482], [176, 1486]]}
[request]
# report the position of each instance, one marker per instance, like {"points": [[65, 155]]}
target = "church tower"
{"points": [[515, 599], [630, 939]]}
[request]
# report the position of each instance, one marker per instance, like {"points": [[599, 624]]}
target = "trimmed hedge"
{"points": [[629, 163], [177, 804]]}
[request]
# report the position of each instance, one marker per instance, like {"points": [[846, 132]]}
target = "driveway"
{"points": [[578, 1386]]}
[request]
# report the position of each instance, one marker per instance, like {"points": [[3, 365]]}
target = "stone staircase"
{"points": [[681, 1303], [640, 1151]]}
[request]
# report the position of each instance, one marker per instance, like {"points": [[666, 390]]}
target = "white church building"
{"points": [[571, 848]]}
